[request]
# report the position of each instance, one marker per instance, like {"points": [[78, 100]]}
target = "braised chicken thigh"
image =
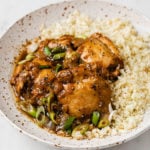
{"points": [[102, 53]]}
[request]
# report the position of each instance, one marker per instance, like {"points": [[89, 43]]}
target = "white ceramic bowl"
{"points": [[27, 28]]}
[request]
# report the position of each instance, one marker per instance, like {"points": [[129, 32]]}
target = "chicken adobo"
{"points": [[64, 83]]}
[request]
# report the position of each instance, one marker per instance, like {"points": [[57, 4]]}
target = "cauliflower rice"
{"points": [[131, 91]]}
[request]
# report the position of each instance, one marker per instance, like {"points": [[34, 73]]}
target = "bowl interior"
{"points": [[28, 28]]}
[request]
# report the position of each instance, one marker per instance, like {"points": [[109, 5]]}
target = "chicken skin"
{"points": [[100, 52], [86, 94]]}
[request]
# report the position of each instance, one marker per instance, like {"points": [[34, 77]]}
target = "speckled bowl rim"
{"points": [[120, 140]]}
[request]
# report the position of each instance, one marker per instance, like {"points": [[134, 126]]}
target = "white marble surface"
{"points": [[10, 138]]}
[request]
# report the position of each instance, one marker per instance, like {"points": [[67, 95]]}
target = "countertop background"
{"points": [[11, 138]]}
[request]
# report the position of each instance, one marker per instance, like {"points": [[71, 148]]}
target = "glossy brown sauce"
{"points": [[66, 77]]}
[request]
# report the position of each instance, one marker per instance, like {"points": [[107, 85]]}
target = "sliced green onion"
{"points": [[52, 117], [103, 123], [58, 67], [59, 56], [32, 47], [22, 62], [29, 57], [44, 100], [80, 128], [44, 67], [40, 116], [53, 105], [69, 122], [42, 121], [47, 51], [58, 50], [95, 117], [40, 110], [49, 99], [32, 112], [28, 108]]}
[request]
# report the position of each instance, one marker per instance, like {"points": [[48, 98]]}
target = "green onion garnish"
{"points": [[69, 122], [47, 51], [95, 117], [44, 67], [58, 67], [59, 56]]}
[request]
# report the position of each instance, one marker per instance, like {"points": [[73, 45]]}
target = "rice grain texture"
{"points": [[131, 92]]}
